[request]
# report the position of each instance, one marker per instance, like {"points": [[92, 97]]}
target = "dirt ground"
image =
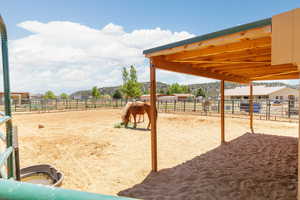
{"points": [[96, 157]]}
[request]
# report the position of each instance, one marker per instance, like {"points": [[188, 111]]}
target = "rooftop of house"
{"points": [[257, 90]]}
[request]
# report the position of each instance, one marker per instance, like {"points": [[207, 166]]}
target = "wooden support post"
{"points": [[153, 117], [298, 193], [251, 107], [222, 112]]}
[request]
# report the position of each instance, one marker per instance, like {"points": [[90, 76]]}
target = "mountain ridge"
{"points": [[211, 88]]}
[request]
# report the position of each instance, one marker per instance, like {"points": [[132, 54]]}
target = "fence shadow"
{"points": [[252, 166]]}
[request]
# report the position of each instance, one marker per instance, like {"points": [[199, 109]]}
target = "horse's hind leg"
{"points": [[149, 118]]}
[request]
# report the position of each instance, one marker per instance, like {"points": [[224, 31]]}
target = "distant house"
{"points": [[263, 92], [17, 97], [81, 97], [168, 98], [77, 97], [146, 97], [183, 97], [36, 96]]}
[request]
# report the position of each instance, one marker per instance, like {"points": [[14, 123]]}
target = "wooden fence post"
{"points": [[29, 105], [174, 105], [166, 104], [289, 108], [269, 109]]}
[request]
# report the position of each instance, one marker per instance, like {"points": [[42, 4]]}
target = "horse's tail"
{"points": [[125, 114]]}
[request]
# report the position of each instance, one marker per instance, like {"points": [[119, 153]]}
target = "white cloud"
{"points": [[67, 56]]}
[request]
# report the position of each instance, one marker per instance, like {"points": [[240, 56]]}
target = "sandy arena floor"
{"points": [[96, 157]]}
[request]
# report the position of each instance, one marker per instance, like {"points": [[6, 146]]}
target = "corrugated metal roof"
{"points": [[257, 90]]}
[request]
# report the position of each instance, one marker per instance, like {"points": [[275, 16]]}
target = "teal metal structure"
{"points": [[13, 190], [7, 99]]}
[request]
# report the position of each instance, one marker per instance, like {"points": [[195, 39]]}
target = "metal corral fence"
{"points": [[48, 105], [263, 109]]}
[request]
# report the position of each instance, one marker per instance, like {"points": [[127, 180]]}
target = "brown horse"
{"points": [[134, 109]]}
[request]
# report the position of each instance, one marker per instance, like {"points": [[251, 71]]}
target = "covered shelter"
{"points": [[268, 49]]}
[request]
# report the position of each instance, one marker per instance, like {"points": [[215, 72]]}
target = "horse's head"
{"points": [[126, 113], [125, 118]]}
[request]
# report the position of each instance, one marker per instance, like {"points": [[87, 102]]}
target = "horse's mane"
{"points": [[126, 113]]}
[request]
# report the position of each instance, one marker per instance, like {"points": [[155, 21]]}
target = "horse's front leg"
{"points": [[134, 118]]}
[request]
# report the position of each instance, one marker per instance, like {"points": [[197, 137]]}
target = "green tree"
{"points": [[161, 91], [200, 92], [175, 88], [131, 87], [185, 89], [49, 95], [95, 92], [64, 96], [117, 94], [146, 91]]}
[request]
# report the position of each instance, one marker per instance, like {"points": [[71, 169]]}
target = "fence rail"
{"points": [[263, 109]]}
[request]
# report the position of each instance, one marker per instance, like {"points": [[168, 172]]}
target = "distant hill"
{"points": [[111, 90], [212, 88]]}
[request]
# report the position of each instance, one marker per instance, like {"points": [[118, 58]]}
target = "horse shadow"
{"points": [[252, 166], [138, 129]]}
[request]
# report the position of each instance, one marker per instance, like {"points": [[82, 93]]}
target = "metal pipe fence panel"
{"points": [[265, 109]]}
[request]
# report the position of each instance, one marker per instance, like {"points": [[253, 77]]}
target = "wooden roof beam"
{"points": [[263, 68], [224, 62], [213, 50], [226, 68], [209, 65], [236, 54], [219, 65], [189, 69], [264, 72], [276, 74], [294, 75], [258, 58], [252, 67]]}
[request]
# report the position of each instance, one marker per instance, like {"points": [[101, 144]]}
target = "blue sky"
{"points": [[194, 16], [35, 28]]}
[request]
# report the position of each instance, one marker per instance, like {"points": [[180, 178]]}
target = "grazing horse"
{"points": [[134, 109]]}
